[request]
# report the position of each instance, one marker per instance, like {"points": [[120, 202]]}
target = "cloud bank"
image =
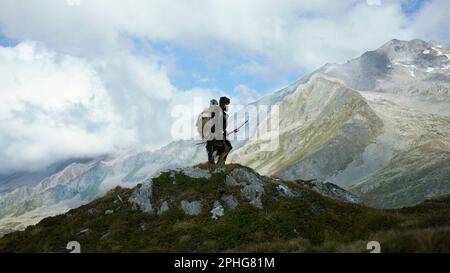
{"points": [[56, 106]]}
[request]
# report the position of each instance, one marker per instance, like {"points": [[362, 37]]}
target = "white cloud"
{"points": [[55, 106], [304, 34], [432, 21], [245, 94], [52, 106]]}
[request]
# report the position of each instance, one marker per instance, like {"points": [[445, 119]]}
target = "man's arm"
{"points": [[225, 124]]}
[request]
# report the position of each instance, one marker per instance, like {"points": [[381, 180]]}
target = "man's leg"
{"points": [[210, 151], [224, 152]]}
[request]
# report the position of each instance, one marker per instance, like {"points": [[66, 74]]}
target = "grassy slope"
{"points": [[309, 222]]}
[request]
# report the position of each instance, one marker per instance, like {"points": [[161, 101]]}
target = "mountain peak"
{"points": [[400, 49], [413, 67], [406, 43]]}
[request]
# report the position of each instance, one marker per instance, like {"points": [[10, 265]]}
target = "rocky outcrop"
{"points": [[251, 183], [196, 172], [141, 197], [333, 191], [234, 185]]}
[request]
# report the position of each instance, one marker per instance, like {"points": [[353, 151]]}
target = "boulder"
{"points": [[191, 208], [141, 197], [195, 172], [217, 210]]}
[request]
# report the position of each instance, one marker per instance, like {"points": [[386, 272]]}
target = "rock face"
{"points": [[323, 126], [333, 191], [252, 185], [196, 172], [141, 197]]}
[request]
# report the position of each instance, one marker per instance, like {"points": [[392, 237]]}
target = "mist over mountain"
{"points": [[14, 180], [78, 183]]}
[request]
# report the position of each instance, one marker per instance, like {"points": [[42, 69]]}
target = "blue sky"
{"points": [[411, 7], [5, 42], [194, 67], [214, 66]]}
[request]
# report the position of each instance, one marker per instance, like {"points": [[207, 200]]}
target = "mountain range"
{"points": [[377, 126]]}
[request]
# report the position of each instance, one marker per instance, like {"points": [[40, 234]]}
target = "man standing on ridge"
{"points": [[219, 143]]}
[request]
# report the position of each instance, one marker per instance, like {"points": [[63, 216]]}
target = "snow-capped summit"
{"points": [[398, 67]]}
